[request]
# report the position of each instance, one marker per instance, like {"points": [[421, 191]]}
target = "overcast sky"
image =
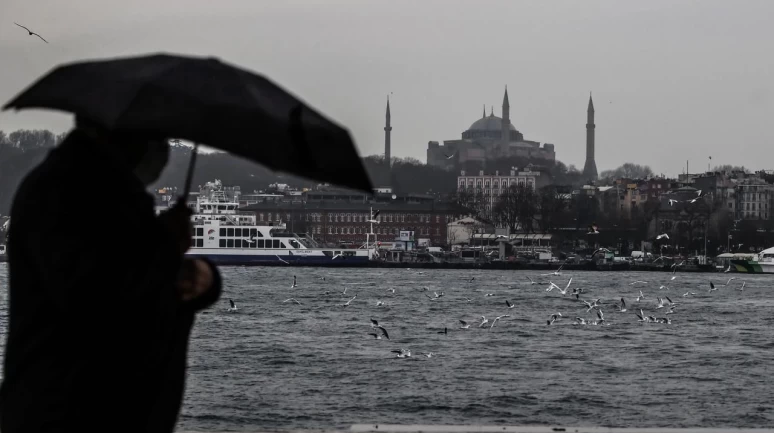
{"points": [[672, 80]]}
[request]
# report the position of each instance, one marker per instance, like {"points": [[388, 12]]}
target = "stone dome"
{"points": [[489, 123]]}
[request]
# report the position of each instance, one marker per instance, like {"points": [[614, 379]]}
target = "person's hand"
{"points": [[177, 222], [195, 279]]}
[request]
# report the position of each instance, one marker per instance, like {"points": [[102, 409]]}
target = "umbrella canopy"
{"points": [[205, 101]]}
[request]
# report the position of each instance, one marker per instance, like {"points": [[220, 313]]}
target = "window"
{"points": [[199, 231], [336, 218], [230, 232], [230, 243], [330, 230], [437, 231], [330, 218], [222, 243], [282, 245], [259, 243], [237, 232], [260, 216], [390, 217], [253, 233], [276, 243], [237, 243], [223, 232], [193, 242]]}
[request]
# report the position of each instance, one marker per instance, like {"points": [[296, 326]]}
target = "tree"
{"points": [[516, 207], [628, 170], [550, 206], [728, 168]]}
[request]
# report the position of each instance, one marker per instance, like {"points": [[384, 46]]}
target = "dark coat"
{"points": [[97, 335]]}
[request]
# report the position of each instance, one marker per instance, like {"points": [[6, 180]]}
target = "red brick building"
{"points": [[341, 217]]}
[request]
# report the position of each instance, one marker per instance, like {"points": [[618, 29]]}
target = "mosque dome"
{"points": [[489, 123]]}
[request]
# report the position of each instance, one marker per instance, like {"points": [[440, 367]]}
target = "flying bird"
{"points": [[662, 236], [31, 32], [622, 307], [593, 230], [498, 318], [291, 300], [553, 318], [233, 306], [465, 325], [509, 304], [280, 259]]}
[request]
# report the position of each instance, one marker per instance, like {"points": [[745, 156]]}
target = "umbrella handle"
{"points": [[183, 200]]}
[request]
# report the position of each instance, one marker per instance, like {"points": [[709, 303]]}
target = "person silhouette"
{"points": [[102, 297]]}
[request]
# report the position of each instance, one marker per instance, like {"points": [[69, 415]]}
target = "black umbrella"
{"points": [[205, 101]]}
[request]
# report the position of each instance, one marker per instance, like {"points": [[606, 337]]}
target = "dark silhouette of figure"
{"points": [[102, 299]]}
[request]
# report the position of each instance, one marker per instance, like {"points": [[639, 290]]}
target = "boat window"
{"points": [[230, 243], [237, 232], [199, 231], [253, 233], [223, 232], [276, 243], [193, 242], [328, 253], [282, 245], [230, 232], [259, 243], [349, 254], [200, 243], [294, 244], [222, 243], [337, 252]]}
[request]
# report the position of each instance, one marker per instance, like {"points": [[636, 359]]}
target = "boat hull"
{"points": [[282, 258], [752, 267]]}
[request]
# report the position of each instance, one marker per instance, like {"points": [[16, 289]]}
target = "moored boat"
{"points": [[762, 263]]}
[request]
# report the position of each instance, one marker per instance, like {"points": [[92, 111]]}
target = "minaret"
{"points": [[506, 125], [590, 167], [387, 130]]}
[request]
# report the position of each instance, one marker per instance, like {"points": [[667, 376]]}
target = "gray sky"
{"points": [[672, 80]]}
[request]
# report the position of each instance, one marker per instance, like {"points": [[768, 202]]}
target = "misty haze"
{"points": [[385, 216]]}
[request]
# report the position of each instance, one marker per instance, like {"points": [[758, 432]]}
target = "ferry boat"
{"points": [[3, 255], [762, 263], [227, 236]]}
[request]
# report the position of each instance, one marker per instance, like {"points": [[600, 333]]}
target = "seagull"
{"points": [[551, 286], [728, 269], [531, 281], [336, 256], [489, 294], [743, 283], [640, 297], [564, 292], [374, 323], [280, 259], [450, 156], [593, 230], [641, 316], [498, 318], [437, 295], [660, 303], [671, 309], [592, 305], [376, 336], [465, 325], [557, 272], [509, 304], [669, 300], [673, 201], [467, 299], [579, 321], [430, 297], [428, 354], [348, 302], [379, 303], [601, 317], [622, 307], [391, 290], [384, 331], [444, 332], [553, 318], [471, 280], [31, 32], [577, 291], [402, 353], [484, 321], [729, 280], [662, 287], [291, 299], [294, 282], [662, 236], [638, 282], [345, 291], [233, 306], [712, 287]]}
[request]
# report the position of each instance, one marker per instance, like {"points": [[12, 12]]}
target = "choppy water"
{"points": [[276, 365]]}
